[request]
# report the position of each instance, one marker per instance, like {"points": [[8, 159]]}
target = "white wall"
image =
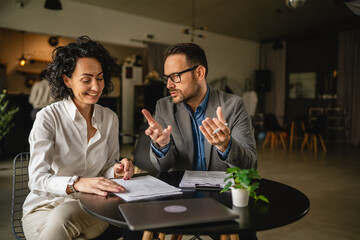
{"points": [[234, 58]]}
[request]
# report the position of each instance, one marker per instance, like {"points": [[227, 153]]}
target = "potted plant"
{"points": [[6, 115], [242, 186]]}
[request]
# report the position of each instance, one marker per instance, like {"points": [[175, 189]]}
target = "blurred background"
{"points": [[295, 63]]}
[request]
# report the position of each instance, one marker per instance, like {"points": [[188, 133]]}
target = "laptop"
{"points": [[169, 213]]}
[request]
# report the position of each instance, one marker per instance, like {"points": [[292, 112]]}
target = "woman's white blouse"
{"points": [[59, 150]]}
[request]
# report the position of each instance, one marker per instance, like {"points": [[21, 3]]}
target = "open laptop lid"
{"points": [[169, 213]]}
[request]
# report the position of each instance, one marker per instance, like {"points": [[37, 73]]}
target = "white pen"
{"points": [[218, 129]]}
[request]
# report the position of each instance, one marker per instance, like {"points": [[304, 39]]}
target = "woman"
{"points": [[73, 145]]}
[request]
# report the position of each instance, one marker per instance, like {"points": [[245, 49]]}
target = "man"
{"points": [[40, 95], [184, 132]]}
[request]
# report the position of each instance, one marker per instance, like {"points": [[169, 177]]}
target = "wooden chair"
{"points": [[313, 133], [275, 132]]}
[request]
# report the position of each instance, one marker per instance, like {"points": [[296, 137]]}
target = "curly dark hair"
{"points": [[195, 55], [64, 62]]}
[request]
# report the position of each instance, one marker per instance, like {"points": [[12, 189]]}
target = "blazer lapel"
{"points": [[212, 105], [184, 122]]}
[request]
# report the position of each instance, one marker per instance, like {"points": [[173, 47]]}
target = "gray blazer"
{"points": [[181, 153]]}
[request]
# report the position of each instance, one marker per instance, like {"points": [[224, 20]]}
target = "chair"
{"points": [[313, 132], [274, 131], [19, 192], [141, 150], [336, 124], [142, 153]]}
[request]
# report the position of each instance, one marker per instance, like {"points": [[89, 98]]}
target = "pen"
{"points": [[218, 129], [118, 161]]}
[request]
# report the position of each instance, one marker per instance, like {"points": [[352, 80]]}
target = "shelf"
{"points": [[33, 67]]}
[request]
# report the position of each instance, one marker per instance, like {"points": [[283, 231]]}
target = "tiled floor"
{"points": [[331, 181]]}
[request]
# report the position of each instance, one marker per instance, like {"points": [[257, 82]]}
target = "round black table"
{"points": [[287, 205]]}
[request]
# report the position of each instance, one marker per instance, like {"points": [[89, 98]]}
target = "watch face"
{"points": [[73, 180]]}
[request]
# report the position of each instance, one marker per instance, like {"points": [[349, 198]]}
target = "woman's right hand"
{"points": [[97, 185]]}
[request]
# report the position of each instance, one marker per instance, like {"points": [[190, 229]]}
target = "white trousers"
{"points": [[64, 222]]}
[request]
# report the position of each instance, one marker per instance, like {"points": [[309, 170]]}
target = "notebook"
{"points": [[169, 213]]}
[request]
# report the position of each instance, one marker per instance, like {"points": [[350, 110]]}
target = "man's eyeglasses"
{"points": [[176, 77]]}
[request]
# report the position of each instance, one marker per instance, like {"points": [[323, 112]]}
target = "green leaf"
{"points": [[243, 179], [261, 197]]}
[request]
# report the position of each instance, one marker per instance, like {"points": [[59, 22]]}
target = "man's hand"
{"points": [[220, 139], [124, 169], [155, 131]]}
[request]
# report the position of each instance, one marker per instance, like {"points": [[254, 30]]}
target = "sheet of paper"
{"points": [[205, 178], [145, 187]]}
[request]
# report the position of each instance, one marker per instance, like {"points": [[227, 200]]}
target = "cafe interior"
{"points": [[294, 62]]}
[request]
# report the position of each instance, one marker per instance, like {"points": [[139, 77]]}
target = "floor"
{"points": [[331, 181]]}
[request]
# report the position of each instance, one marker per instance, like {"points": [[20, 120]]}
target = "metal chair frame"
{"points": [[20, 190]]}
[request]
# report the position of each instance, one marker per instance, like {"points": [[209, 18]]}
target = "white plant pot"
{"points": [[240, 197]]}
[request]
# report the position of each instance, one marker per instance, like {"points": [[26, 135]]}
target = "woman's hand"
{"points": [[97, 185], [124, 169]]}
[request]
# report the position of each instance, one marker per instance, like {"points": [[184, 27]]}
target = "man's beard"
{"points": [[192, 91]]}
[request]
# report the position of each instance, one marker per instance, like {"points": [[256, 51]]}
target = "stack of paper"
{"points": [[145, 187]]}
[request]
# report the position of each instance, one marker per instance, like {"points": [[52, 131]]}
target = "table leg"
{"points": [[223, 237], [229, 237], [234, 236], [176, 237], [147, 235]]}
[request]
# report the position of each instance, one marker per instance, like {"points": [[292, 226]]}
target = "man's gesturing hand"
{"points": [[155, 131], [221, 138]]}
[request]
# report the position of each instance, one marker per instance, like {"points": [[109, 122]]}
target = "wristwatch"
{"points": [[71, 183]]}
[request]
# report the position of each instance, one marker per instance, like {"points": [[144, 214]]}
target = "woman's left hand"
{"points": [[124, 169]]}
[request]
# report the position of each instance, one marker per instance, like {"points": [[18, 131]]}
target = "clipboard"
{"points": [[207, 186], [203, 180]]}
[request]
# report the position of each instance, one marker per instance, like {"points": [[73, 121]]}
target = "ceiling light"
{"points": [[53, 4], [295, 3], [191, 31], [22, 60]]}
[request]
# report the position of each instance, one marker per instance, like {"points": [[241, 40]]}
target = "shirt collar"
{"points": [[70, 107], [73, 111], [204, 102], [202, 106]]}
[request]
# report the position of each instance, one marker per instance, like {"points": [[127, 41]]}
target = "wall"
{"points": [[36, 46], [234, 58]]}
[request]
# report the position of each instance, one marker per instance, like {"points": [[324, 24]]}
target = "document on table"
{"points": [[203, 179], [145, 187]]}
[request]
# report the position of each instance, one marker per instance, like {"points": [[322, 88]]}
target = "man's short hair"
{"points": [[195, 55]]}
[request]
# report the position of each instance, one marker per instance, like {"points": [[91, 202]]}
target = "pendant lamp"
{"points": [[22, 60]]}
